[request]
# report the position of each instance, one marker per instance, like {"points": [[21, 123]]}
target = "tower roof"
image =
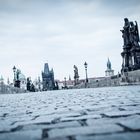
{"points": [[108, 65], [46, 68], [22, 76]]}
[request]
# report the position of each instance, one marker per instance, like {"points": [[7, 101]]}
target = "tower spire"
{"points": [[108, 65]]}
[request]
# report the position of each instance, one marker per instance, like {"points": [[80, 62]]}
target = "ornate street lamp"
{"points": [[16, 77], [85, 64]]}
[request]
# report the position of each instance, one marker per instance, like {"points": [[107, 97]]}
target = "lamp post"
{"points": [[14, 70], [16, 77], [65, 82], [85, 64]]}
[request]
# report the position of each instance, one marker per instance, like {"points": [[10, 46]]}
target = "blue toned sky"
{"points": [[63, 33]]}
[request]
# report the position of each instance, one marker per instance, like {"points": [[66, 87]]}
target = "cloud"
{"points": [[63, 33]]}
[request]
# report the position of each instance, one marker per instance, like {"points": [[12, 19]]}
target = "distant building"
{"points": [[61, 84], [22, 80], [109, 72], [1, 80], [19, 80], [48, 78], [70, 83], [66, 84]]}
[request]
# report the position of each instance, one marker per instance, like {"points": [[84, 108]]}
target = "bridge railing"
{"points": [[9, 89]]}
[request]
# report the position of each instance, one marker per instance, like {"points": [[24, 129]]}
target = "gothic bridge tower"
{"points": [[48, 78]]}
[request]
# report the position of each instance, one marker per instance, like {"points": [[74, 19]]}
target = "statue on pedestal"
{"points": [[131, 48], [125, 32], [76, 75], [134, 34]]}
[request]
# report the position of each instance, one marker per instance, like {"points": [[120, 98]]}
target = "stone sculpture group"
{"points": [[131, 48]]}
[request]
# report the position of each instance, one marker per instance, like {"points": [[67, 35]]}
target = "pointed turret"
{"points": [[46, 68], [109, 71], [108, 65], [69, 78]]}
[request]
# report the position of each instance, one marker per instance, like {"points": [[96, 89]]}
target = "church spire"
{"points": [[108, 65], [46, 68], [69, 78], [109, 71]]}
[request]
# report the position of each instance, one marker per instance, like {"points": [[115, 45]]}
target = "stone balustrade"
{"points": [[9, 89]]}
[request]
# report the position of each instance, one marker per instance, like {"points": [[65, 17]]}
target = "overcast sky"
{"points": [[63, 33]]}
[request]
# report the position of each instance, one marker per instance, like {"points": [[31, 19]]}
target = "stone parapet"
{"points": [[134, 76], [9, 89], [127, 78]]}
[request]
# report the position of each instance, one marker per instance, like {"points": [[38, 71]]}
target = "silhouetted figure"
{"points": [[32, 89], [125, 32], [28, 84], [134, 34], [76, 75]]}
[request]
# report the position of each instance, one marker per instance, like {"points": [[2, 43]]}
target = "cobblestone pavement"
{"points": [[82, 114]]}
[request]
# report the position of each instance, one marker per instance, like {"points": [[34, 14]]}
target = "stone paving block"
{"points": [[92, 122], [31, 122], [119, 136], [24, 135], [13, 120], [4, 125], [80, 117], [131, 108], [133, 124], [50, 126], [103, 110], [41, 119], [98, 107], [101, 121], [61, 138], [121, 113], [102, 129], [65, 114], [44, 119]]}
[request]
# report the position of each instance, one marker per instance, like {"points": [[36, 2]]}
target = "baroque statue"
{"points": [[131, 48], [76, 75], [130, 33]]}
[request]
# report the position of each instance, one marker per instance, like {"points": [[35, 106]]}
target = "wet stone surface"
{"points": [[82, 114]]}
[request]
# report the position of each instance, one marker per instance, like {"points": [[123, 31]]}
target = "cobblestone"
{"points": [[50, 126], [121, 136], [84, 117], [24, 135], [102, 129], [82, 114], [133, 124], [121, 113], [92, 122]]}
